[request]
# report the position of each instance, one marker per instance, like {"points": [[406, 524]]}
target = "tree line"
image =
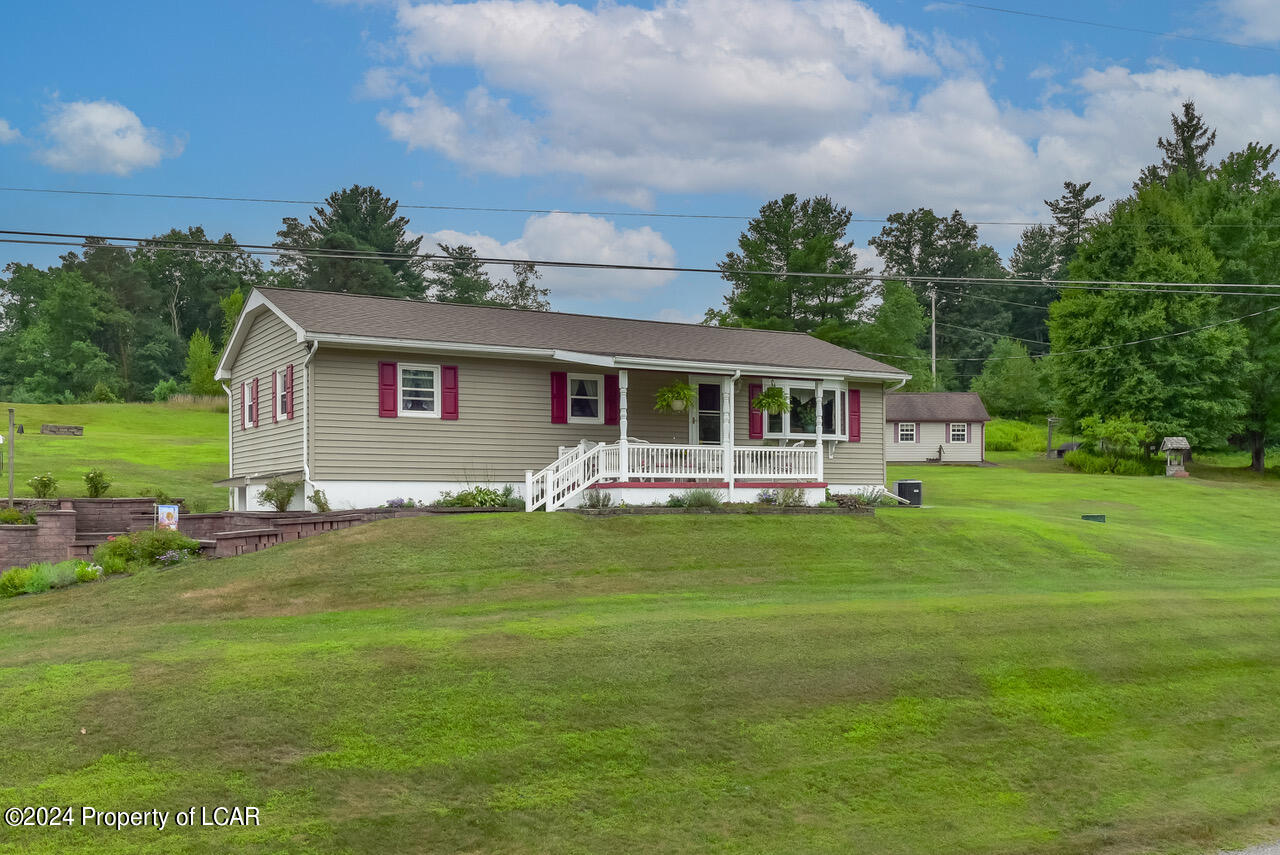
{"points": [[1199, 363], [112, 323]]}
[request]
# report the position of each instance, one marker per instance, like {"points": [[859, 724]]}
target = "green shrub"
{"points": [[514, 501], [144, 549], [87, 572], [43, 486], [320, 500], [96, 483], [1092, 463], [1009, 435], [855, 501], [164, 390], [597, 499], [103, 394], [702, 498], [827, 503], [278, 493], [14, 581], [161, 497], [13, 516], [791, 497], [476, 497]]}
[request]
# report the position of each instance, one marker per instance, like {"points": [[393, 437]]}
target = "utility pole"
{"points": [[11, 457], [933, 336]]}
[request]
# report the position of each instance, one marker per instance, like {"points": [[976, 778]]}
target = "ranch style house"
{"points": [[373, 398]]}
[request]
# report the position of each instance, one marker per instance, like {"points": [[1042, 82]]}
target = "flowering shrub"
{"points": [[403, 503], [42, 486], [173, 556], [96, 483], [143, 549]]}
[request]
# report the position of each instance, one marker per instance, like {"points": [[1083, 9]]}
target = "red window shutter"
{"points": [[275, 395], [288, 391], [449, 398], [387, 382], [559, 397], [244, 391], [755, 418], [257, 406], [854, 407], [612, 400]]}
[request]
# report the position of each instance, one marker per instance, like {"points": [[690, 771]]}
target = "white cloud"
{"points": [[770, 96], [1252, 21], [575, 237], [102, 136], [676, 316], [8, 133]]}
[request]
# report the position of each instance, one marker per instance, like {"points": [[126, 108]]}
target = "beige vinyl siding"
{"points": [[853, 462], [931, 436], [271, 447], [503, 426]]}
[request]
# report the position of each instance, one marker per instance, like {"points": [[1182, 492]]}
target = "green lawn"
{"points": [[174, 448], [988, 675]]}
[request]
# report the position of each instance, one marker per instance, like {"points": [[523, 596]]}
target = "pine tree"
{"points": [[1070, 213], [459, 277], [1183, 152]]}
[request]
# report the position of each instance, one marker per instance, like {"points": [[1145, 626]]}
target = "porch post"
{"points": [[624, 456], [818, 406], [528, 489], [726, 432]]}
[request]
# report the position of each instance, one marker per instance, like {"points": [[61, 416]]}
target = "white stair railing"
{"points": [[574, 471]]}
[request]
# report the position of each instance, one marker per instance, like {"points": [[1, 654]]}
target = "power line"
{"points": [[972, 296], [1120, 27], [992, 334], [1053, 353], [500, 210], [180, 245]]}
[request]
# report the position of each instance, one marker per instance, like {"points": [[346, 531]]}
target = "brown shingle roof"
{"points": [[935, 407], [421, 321]]}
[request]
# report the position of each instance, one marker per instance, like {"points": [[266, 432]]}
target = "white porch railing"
{"points": [[675, 461], [757, 461], [580, 466]]}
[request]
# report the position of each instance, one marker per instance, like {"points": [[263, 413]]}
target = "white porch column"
{"points": [[624, 455], [726, 431], [818, 443]]}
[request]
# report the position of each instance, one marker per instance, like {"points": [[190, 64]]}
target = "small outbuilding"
{"points": [[946, 427], [1176, 453]]}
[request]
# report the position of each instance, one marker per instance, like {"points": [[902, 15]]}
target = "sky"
{"points": [[618, 109]]}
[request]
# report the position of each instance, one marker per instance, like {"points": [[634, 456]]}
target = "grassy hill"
{"points": [[178, 449], [989, 675]]}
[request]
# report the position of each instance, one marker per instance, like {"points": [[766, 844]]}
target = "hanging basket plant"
{"points": [[675, 398], [773, 400]]}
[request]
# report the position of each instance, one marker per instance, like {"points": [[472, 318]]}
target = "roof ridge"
{"points": [[535, 311]]}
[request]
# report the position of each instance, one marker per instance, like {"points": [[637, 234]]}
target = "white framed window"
{"points": [[906, 431], [418, 390], [249, 405], [801, 421], [586, 399], [282, 395], [959, 432]]}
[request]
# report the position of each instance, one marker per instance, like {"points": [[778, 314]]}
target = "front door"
{"points": [[705, 419]]}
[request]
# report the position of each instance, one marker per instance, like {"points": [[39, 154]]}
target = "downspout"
{"points": [[901, 383], [306, 460], [230, 444]]}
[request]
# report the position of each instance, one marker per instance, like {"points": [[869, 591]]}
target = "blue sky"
{"points": [[694, 107]]}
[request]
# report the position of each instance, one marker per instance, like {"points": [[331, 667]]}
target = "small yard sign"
{"points": [[167, 517]]}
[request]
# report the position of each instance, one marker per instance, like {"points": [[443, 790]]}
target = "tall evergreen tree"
{"points": [[355, 222], [1186, 151], [797, 237], [521, 291], [1011, 384], [1070, 213], [458, 277], [972, 316], [1037, 257]]}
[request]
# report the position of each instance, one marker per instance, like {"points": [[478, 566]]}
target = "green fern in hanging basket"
{"points": [[675, 398], [772, 400]]}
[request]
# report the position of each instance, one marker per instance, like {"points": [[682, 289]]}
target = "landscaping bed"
{"points": [[723, 509]]}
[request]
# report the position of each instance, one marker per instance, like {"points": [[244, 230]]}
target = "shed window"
{"points": [[282, 394], [586, 404], [419, 388], [959, 432], [250, 404], [906, 431]]}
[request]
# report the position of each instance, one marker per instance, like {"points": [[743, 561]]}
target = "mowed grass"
{"points": [[987, 675], [179, 449]]}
